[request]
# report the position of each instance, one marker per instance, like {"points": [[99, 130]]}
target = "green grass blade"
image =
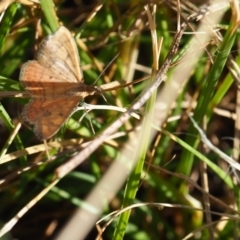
{"points": [[206, 95], [50, 14], [6, 23]]}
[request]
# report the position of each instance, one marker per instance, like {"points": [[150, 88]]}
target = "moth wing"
{"points": [[58, 52], [48, 115]]}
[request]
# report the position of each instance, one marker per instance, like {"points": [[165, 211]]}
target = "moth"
{"points": [[55, 83]]}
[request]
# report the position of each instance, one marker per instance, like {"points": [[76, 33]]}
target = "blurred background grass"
{"points": [[120, 27]]}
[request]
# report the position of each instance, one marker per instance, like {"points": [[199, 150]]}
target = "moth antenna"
{"points": [[104, 70]]}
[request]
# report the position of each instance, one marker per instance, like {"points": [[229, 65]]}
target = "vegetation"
{"points": [[165, 168]]}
